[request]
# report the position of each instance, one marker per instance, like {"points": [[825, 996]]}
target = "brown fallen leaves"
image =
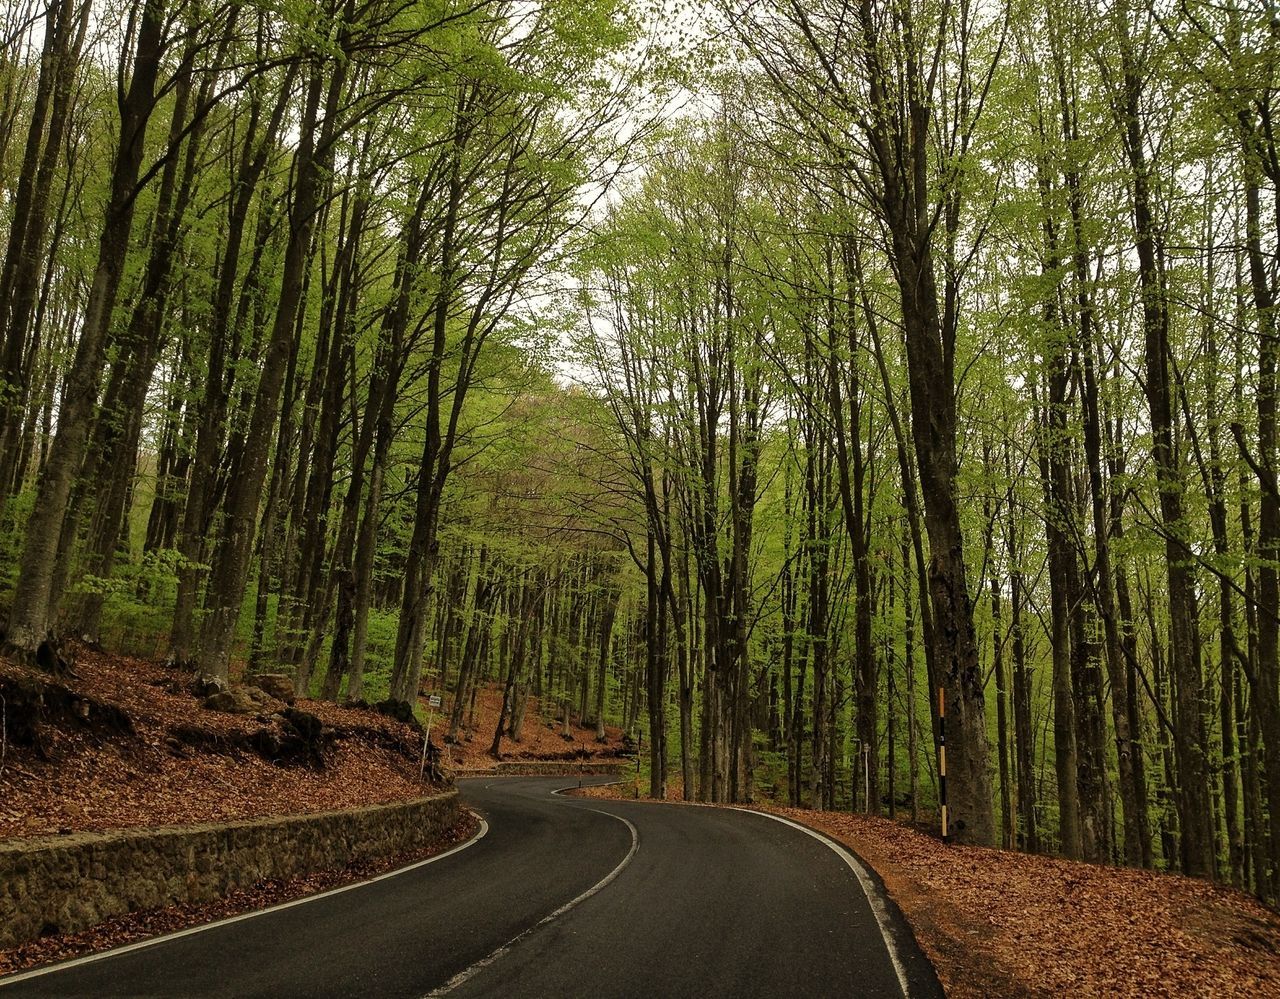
{"points": [[152, 922], [999, 923], [630, 788], [98, 781], [539, 738]]}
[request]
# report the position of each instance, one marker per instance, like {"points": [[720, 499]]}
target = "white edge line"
{"points": [[560, 792], [466, 974], [191, 930], [874, 898]]}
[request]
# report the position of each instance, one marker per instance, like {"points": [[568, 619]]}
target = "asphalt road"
{"points": [[560, 897]]}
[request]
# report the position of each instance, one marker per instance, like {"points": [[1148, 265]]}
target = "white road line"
{"points": [[874, 898], [466, 974], [151, 942], [560, 791]]}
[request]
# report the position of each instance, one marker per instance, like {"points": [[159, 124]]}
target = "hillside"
{"points": [[125, 743], [541, 737]]}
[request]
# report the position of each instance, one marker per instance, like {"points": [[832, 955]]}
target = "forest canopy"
{"points": [[803, 387]]}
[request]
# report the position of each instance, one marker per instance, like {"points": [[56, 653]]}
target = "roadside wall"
{"points": [[62, 884], [548, 768]]}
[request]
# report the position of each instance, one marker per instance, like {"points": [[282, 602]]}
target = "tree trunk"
{"points": [[1195, 811], [19, 278], [213, 405], [230, 564], [32, 615]]}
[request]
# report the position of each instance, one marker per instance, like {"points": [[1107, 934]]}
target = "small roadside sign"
{"points": [[433, 702]]}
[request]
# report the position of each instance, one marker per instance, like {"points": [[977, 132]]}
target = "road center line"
{"points": [[874, 898], [190, 931], [466, 974]]}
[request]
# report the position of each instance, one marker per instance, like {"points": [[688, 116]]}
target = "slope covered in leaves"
{"points": [[541, 737], [174, 761], [999, 923]]}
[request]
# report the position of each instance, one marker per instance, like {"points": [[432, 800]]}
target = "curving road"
{"points": [[559, 897]]}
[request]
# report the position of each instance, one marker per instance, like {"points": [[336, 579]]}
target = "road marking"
{"points": [[560, 792], [874, 898], [190, 931], [466, 974]]}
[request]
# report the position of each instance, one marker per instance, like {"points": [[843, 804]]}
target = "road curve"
{"points": [[561, 897]]}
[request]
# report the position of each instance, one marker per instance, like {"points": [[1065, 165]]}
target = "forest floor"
{"points": [[541, 738], [996, 923], [125, 743]]}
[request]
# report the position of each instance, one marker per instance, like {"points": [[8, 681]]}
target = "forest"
{"points": [[849, 399]]}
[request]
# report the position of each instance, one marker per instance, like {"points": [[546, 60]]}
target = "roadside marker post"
{"points": [[851, 762], [942, 762], [433, 702], [866, 777]]}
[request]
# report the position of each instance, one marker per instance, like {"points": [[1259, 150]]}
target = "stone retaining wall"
{"points": [[548, 768], [62, 884]]}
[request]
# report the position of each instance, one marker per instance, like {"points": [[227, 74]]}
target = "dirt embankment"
{"points": [[1000, 923], [541, 738], [125, 742]]}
